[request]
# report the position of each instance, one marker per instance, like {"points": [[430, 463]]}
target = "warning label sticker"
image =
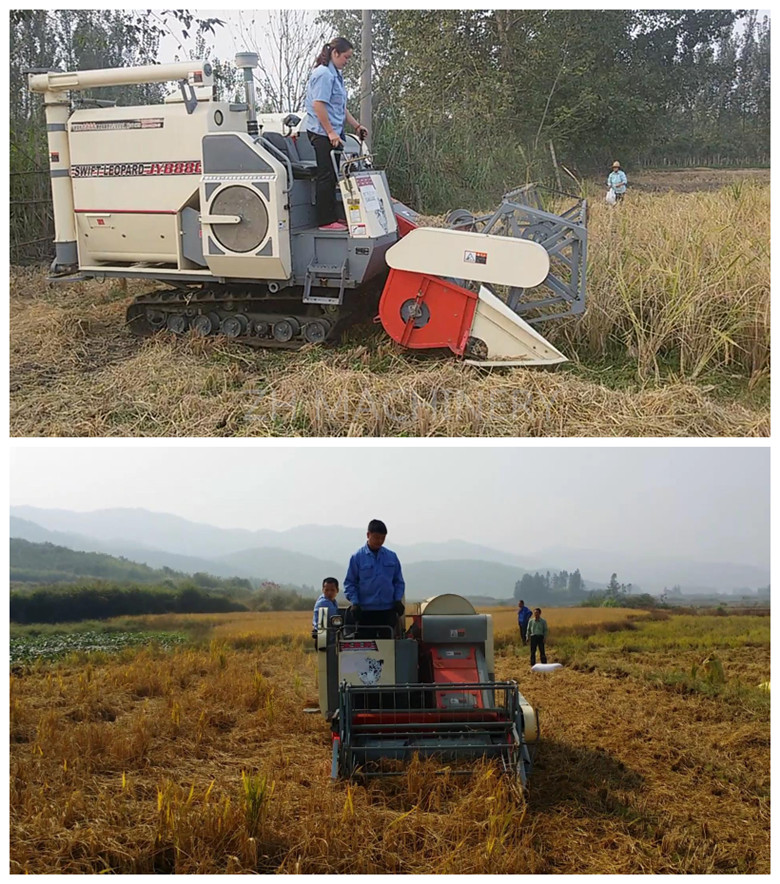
{"points": [[475, 257]]}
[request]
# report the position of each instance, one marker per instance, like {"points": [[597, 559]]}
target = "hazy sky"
{"points": [[691, 502]]}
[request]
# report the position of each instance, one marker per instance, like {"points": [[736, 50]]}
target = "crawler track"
{"points": [[254, 317]]}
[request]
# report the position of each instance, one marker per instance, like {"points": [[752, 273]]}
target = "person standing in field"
{"points": [[330, 589], [537, 633], [617, 181], [374, 585], [326, 111], [523, 616]]}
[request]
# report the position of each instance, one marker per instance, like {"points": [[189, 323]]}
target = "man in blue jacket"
{"points": [[523, 616], [374, 585]]}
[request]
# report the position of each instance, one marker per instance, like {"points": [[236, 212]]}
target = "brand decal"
{"points": [[358, 646], [136, 170], [117, 125], [364, 669]]}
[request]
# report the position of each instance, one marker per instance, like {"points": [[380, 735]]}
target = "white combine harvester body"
{"points": [[219, 203], [425, 687]]}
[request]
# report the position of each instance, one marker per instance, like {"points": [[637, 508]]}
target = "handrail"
{"points": [[284, 158]]}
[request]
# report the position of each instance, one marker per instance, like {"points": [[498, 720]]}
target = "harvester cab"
{"points": [[425, 687], [217, 204]]}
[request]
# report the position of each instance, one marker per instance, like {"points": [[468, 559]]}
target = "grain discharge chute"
{"points": [[217, 204], [426, 687]]}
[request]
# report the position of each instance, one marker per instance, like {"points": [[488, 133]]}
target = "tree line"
{"points": [[467, 103], [470, 100], [99, 600], [550, 588], [52, 604], [620, 595], [568, 588]]}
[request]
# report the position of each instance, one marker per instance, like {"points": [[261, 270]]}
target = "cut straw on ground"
{"points": [[202, 760]]}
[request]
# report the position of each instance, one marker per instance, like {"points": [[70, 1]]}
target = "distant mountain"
{"points": [[47, 563], [310, 552], [457, 550], [140, 528], [467, 577], [283, 566], [423, 579], [653, 573], [274, 565], [27, 530]]}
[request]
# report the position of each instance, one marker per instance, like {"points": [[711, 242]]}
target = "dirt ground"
{"points": [[691, 180]]}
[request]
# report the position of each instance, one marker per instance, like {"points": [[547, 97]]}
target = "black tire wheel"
{"points": [[177, 323], [286, 329], [234, 326], [316, 331]]}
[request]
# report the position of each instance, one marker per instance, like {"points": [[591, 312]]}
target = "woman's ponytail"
{"points": [[339, 44], [324, 56]]}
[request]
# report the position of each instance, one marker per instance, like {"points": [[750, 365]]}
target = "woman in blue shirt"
{"points": [[617, 180], [326, 111]]}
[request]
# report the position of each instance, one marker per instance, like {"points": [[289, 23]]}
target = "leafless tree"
{"points": [[287, 42]]}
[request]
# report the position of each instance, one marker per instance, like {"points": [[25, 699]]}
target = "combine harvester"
{"points": [[429, 690], [218, 205]]}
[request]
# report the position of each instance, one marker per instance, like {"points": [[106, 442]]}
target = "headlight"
{"points": [[338, 620]]}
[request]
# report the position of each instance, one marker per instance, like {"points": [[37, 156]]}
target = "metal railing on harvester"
{"points": [[380, 728], [558, 222]]}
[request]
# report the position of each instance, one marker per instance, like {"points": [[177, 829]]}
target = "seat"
{"points": [[304, 146], [301, 169]]}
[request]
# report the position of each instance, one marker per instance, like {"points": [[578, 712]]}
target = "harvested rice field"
{"points": [[199, 758], [674, 342]]}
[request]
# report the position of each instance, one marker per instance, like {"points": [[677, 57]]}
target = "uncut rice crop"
{"points": [[681, 278]]}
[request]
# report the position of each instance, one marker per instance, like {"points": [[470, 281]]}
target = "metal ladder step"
{"points": [[332, 270], [325, 271]]}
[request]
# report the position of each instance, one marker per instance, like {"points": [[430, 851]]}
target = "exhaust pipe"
{"points": [[247, 62]]}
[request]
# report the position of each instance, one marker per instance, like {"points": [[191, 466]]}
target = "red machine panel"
{"points": [[405, 224], [421, 312], [456, 664]]}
